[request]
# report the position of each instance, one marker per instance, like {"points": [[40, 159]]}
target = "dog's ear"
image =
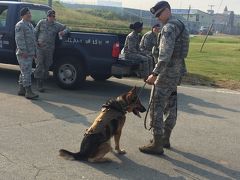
{"points": [[134, 89], [132, 95]]}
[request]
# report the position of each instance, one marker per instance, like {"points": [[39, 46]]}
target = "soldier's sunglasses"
{"points": [[159, 14]]}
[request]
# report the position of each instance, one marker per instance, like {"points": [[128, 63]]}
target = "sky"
{"points": [[233, 5]]}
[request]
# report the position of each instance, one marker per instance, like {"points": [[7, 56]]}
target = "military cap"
{"points": [[24, 11], [159, 8], [136, 25], [50, 13], [156, 26]]}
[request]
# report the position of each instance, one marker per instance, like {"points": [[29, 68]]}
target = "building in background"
{"points": [[194, 18], [227, 22]]}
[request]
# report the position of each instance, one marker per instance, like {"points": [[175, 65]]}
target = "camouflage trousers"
{"points": [[43, 61], [25, 65], [146, 66], [163, 110]]}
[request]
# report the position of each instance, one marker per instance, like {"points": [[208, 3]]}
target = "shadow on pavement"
{"points": [[128, 169], [62, 112], [94, 94], [186, 101], [87, 97], [202, 161]]}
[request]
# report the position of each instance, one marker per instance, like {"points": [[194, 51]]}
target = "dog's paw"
{"points": [[121, 151]]}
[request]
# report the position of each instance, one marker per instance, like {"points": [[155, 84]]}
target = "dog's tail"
{"points": [[71, 156]]}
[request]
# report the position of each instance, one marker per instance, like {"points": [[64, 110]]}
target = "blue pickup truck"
{"points": [[77, 55]]}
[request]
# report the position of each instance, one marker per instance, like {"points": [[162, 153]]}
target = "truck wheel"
{"points": [[100, 77], [69, 73]]}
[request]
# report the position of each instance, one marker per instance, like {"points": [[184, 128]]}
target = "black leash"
{"points": [[149, 105], [141, 90]]}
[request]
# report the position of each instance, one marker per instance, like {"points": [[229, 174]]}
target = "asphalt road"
{"points": [[206, 139]]}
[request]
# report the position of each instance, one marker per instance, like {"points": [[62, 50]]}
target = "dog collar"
{"points": [[117, 105]]}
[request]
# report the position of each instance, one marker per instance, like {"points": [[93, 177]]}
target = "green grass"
{"points": [[219, 60]]}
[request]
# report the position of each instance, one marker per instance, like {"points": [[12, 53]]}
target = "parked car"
{"points": [[204, 30]]}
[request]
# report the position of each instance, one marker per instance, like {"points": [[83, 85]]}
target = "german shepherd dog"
{"points": [[96, 142]]}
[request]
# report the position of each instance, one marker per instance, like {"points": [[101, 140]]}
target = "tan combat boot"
{"points": [[155, 147], [40, 85], [166, 138], [21, 91], [29, 94]]}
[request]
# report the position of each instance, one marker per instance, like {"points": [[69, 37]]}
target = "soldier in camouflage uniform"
{"points": [[26, 50], [149, 40], [132, 51], [46, 32], [173, 49]]}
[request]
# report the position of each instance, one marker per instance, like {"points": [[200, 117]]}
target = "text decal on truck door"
{"points": [[88, 41]]}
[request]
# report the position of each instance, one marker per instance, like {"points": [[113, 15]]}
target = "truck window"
{"points": [[3, 16], [37, 15]]}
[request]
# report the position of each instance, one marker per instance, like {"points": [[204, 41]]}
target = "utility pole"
{"points": [[188, 24], [141, 15], [211, 6], [210, 29], [189, 10], [50, 3], [206, 37]]}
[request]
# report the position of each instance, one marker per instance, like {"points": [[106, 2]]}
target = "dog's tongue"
{"points": [[138, 114]]}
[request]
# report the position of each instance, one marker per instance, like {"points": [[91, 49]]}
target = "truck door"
{"points": [[7, 44]]}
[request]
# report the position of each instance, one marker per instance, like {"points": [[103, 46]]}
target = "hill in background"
{"points": [[91, 19]]}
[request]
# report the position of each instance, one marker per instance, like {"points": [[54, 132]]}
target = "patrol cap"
{"points": [[156, 26], [159, 8], [24, 11], [136, 25], [51, 13]]}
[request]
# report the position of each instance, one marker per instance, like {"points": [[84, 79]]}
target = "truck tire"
{"points": [[69, 73], [100, 77]]}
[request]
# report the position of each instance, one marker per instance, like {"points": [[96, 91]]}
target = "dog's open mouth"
{"points": [[136, 112]]}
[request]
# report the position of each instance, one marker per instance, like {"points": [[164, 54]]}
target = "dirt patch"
{"points": [[194, 79], [230, 84]]}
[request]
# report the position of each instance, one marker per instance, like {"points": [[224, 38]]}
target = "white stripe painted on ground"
{"points": [[209, 89]]}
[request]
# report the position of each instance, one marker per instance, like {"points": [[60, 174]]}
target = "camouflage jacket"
{"points": [[148, 41], [46, 33], [132, 43], [25, 38], [169, 67]]}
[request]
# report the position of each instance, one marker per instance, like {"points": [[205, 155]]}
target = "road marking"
{"points": [[208, 89]]}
